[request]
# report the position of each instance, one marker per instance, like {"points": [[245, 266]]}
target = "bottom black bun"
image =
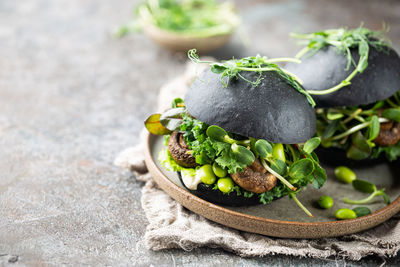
{"points": [[334, 157], [215, 196]]}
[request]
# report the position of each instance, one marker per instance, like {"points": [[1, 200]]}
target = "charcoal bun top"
{"points": [[272, 110], [326, 68]]}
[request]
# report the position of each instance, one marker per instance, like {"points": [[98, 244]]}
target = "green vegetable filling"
{"points": [[223, 153], [354, 129]]}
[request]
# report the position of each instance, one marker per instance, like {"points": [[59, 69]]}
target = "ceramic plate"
{"points": [[282, 217]]}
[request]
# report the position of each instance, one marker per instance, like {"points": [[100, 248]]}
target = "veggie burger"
{"points": [[242, 135], [354, 77]]}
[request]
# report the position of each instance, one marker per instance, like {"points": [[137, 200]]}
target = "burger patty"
{"points": [[180, 151], [389, 134], [255, 178]]}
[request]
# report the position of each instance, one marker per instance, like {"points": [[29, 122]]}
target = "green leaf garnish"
{"points": [[392, 114], [311, 144], [242, 154], [301, 168], [374, 128], [216, 133], [360, 148], [279, 166], [154, 126], [230, 69], [263, 148]]}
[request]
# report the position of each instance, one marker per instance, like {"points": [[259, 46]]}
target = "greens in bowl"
{"points": [[189, 18]]}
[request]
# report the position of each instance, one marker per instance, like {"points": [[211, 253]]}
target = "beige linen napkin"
{"points": [[173, 226]]}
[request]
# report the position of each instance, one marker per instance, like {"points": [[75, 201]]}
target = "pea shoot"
{"points": [[231, 69], [367, 187], [356, 129]]}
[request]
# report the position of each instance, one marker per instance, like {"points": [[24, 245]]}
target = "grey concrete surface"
{"points": [[72, 97]]}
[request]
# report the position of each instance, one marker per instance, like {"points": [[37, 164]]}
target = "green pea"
{"points": [[225, 185], [325, 202], [345, 214], [206, 174], [278, 152], [218, 170], [362, 211], [344, 174]]}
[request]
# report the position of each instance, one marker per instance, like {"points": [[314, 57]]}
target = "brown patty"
{"points": [[255, 178], [180, 151], [389, 134]]}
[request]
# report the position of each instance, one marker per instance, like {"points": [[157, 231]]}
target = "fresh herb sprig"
{"points": [[354, 129], [231, 69], [367, 187], [344, 40]]}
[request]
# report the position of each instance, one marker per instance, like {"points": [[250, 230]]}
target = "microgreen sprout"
{"points": [[231, 69], [355, 129], [293, 196], [367, 187], [344, 40], [217, 133], [264, 149]]}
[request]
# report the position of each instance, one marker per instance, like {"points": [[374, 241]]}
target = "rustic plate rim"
{"points": [[387, 211]]}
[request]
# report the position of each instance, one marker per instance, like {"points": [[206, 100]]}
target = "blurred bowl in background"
{"points": [[204, 25], [177, 42]]}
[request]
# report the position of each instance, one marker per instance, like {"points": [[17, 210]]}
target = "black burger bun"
{"points": [[272, 110], [326, 68]]}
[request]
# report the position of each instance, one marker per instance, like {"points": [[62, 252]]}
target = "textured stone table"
{"points": [[72, 97]]}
